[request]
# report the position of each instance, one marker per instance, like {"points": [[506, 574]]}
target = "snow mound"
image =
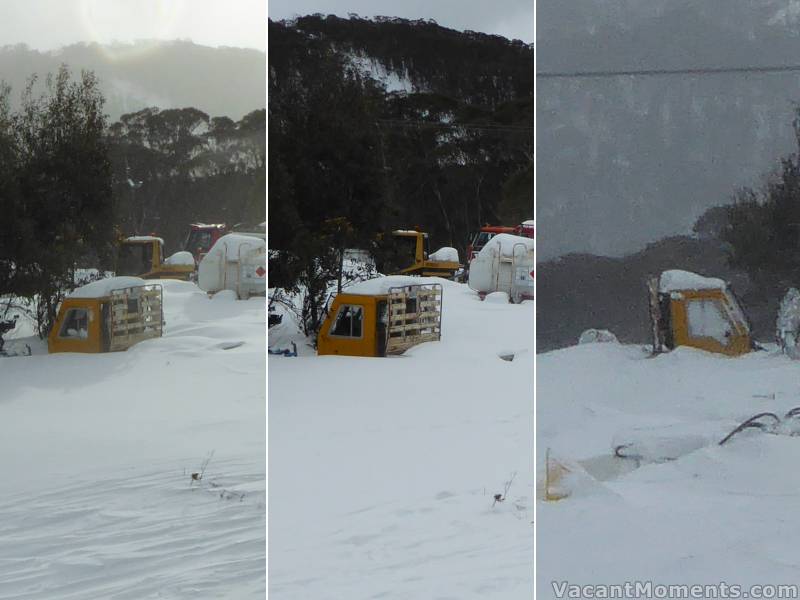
{"points": [[445, 254], [497, 298], [380, 285], [103, 287], [179, 286], [182, 258], [675, 280], [504, 244], [593, 336], [224, 296], [664, 443]]}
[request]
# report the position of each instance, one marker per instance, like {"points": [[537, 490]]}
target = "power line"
{"points": [[659, 72]]}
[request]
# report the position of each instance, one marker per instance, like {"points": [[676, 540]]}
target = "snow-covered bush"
{"points": [[310, 299], [788, 324]]}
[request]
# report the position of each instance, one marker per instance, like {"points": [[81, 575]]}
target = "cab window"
{"points": [[199, 240], [348, 322], [135, 259], [706, 319], [76, 324]]}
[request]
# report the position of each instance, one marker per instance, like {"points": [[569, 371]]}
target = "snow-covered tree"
{"points": [[788, 324]]}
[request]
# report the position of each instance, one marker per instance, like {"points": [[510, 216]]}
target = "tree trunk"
{"points": [[438, 195]]}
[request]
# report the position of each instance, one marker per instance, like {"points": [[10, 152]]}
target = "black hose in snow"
{"points": [[752, 422]]}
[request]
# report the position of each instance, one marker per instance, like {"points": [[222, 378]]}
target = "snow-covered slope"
{"points": [[97, 453], [694, 512], [393, 81], [383, 470]]}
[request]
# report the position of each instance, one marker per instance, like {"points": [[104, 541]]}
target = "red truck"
{"points": [[202, 236], [524, 229], [485, 233]]}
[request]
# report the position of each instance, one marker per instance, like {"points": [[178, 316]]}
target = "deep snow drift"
{"points": [[98, 451], [383, 470], [693, 512]]}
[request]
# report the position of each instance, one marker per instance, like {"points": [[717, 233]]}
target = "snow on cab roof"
{"points": [[380, 285], [180, 258], [144, 238], [675, 280], [103, 287], [444, 254], [504, 243]]}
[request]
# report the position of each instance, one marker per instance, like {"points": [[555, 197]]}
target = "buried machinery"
{"points": [[143, 256], [690, 310], [665, 444], [414, 258], [382, 317], [108, 315], [687, 309]]}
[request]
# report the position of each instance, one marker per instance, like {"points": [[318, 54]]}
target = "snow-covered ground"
{"points": [[98, 451], [693, 512], [382, 471]]}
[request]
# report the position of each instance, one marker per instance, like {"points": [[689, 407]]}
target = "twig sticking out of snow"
{"points": [[502, 497], [198, 476]]}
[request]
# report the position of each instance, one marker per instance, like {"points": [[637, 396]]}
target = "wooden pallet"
{"points": [[414, 316], [136, 314]]}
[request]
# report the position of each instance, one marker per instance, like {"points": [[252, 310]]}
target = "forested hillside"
{"points": [[177, 166], [391, 123], [626, 160], [174, 74]]}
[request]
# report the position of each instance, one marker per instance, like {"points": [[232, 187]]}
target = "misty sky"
{"points": [[50, 24], [510, 18]]}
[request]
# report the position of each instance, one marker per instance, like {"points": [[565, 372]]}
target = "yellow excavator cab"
{"points": [[143, 256], [687, 309], [422, 265], [102, 317], [382, 317]]}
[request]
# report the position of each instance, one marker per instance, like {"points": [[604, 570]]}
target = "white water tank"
{"points": [[504, 264], [235, 262]]}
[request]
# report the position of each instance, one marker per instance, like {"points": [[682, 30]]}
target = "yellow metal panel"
{"points": [[159, 270], [421, 266], [739, 342], [93, 342], [367, 344], [182, 272]]}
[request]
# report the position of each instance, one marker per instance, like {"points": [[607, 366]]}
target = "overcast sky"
{"points": [[50, 24], [509, 18]]}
